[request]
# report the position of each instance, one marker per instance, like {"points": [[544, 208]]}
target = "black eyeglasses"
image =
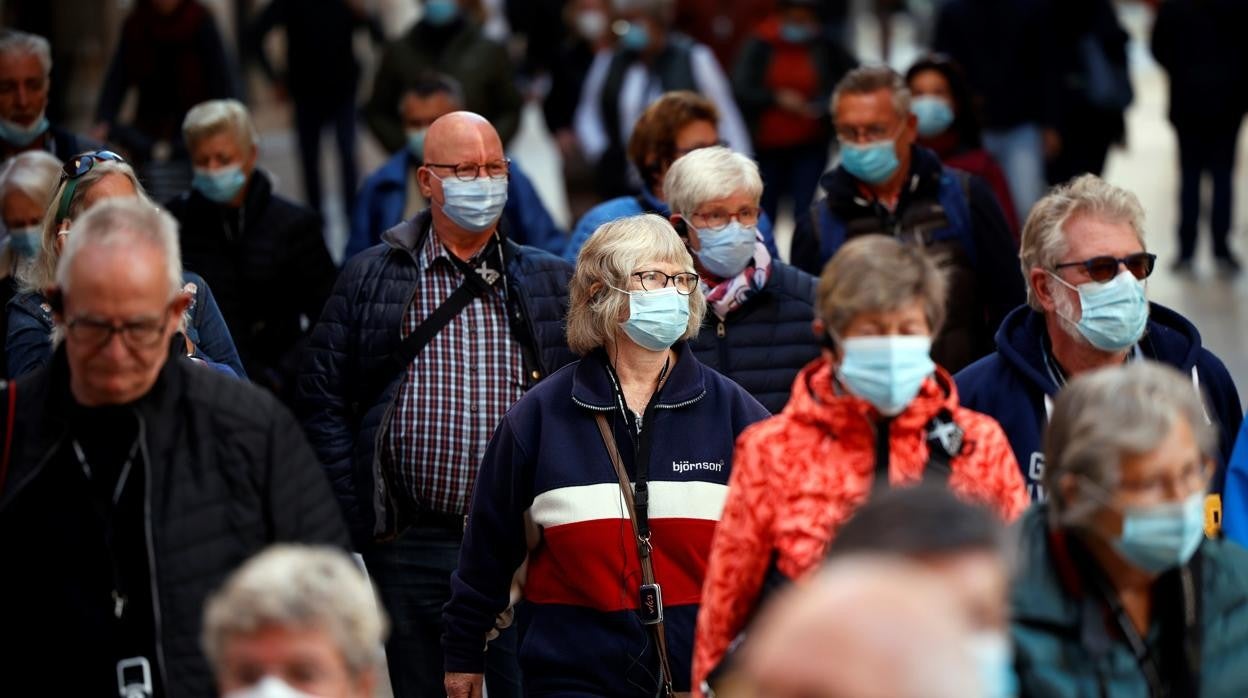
{"points": [[1105, 268], [653, 280], [76, 167], [137, 334], [467, 171]]}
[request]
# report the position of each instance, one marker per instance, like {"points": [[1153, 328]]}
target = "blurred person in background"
{"points": [[171, 56], [1201, 47], [139, 480], [392, 194], [866, 626], [886, 184], [25, 81], [1118, 591], [758, 329], [782, 80], [263, 254], [295, 621], [649, 60], [722, 26], [426, 342], [448, 39], [321, 76], [675, 125], [27, 181], [627, 409], [1006, 48], [948, 125], [85, 181], [1087, 270], [874, 412]]}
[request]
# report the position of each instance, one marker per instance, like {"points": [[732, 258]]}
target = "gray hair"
{"points": [[215, 116], [14, 41], [1044, 240], [124, 223], [873, 78], [874, 273], [33, 173], [707, 174], [41, 273], [1103, 416], [611, 255], [302, 586]]}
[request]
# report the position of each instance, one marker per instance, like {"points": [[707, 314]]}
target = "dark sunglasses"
{"points": [[76, 167], [1105, 268]]}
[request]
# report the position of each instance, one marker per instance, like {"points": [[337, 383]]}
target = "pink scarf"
{"points": [[730, 294]]}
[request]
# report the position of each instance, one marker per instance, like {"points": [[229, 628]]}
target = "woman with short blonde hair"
{"points": [[550, 488]]}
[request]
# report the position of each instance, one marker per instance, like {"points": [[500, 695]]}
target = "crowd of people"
{"points": [[944, 445]]}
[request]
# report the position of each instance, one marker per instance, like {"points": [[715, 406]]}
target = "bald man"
{"points": [[868, 627], [425, 342]]}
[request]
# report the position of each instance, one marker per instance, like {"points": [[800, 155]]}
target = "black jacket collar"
{"points": [[592, 388], [848, 201]]}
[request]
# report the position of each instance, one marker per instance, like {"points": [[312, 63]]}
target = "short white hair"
{"points": [[1105, 415], [14, 41], [33, 173], [215, 116], [123, 223], [301, 586], [707, 174], [1044, 240]]}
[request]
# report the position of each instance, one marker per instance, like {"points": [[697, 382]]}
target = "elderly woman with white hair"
{"points": [[264, 255], [295, 620], [758, 332], [610, 476], [26, 183], [1119, 593], [86, 180]]}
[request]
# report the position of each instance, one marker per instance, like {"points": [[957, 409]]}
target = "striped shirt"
{"points": [[454, 393]]}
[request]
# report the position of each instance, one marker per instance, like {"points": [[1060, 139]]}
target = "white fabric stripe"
{"points": [[668, 500]]}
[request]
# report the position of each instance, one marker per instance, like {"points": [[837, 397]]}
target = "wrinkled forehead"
{"points": [[118, 279]]}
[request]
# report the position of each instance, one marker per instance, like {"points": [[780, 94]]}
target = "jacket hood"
{"points": [[818, 399], [1168, 338], [592, 389]]}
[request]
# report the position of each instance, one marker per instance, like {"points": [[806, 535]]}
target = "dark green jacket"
{"points": [[1052, 659], [480, 65]]}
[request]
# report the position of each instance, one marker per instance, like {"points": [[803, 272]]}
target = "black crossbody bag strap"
{"points": [[643, 545]]}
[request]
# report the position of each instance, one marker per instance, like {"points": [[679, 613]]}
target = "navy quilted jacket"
{"points": [[359, 331], [764, 343]]}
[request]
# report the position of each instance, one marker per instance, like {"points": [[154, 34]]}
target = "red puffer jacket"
{"points": [[797, 477]]}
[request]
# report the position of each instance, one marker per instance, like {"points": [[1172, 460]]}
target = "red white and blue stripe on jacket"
{"points": [[546, 469]]}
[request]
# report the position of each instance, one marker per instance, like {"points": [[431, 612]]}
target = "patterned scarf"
{"points": [[730, 294]]}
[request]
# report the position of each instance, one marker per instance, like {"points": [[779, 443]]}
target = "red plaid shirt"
{"points": [[456, 391]]}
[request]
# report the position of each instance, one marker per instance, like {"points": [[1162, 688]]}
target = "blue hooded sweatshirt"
{"points": [[1012, 384]]}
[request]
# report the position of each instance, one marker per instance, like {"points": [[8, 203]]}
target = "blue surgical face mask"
{"points": [[993, 655], [440, 13], [220, 185], [474, 205], [935, 115], [1114, 313], [24, 241], [656, 319], [886, 371], [636, 38], [796, 33], [22, 136], [873, 163], [1161, 536], [416, 142], [725, 252]]}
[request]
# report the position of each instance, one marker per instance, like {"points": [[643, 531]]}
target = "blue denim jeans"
{"points": [[1020, 152], [413, 577]]}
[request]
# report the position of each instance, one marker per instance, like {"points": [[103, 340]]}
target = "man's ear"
{"points": [[1040, 286], [180, 303], [423, 175]]}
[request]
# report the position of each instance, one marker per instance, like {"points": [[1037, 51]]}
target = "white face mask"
{"points": [[269, 687]]}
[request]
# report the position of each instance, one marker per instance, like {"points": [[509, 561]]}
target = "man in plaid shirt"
{"points": [[401, 432]]}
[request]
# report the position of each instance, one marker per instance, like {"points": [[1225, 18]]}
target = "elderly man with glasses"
{"points": [[138, 480], [1087, 267], [426, 341]]}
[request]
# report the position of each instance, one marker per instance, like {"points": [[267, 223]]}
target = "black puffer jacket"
{"points": [[267, 271], [359, 332], [764, 343], [226, 472]]}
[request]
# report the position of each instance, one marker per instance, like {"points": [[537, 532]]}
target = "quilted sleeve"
{"points": [[989, 472]]}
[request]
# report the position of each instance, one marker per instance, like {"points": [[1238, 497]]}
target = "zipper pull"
{"points": [[720, 330]]}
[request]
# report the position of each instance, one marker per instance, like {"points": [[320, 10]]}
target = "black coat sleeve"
{"points": [[298, 495], [1000, 278]]}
